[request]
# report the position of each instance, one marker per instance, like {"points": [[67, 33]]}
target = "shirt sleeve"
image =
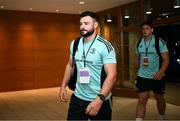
{"points": [[109, 54], [71, 49], [163, 46]]}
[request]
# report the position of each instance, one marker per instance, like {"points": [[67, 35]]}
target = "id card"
{"points": [[85, 76], [145, 61]]}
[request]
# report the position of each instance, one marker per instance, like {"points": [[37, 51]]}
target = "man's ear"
{"points": [[152, 30], [95, 24]]}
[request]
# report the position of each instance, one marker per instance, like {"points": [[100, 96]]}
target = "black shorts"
{"points": [[144, 84], [77, 108]]}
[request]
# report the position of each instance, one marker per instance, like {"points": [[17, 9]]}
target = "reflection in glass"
{"points": [[125, 48]]}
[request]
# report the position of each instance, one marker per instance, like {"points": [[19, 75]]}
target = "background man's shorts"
{"points": [[144, 84]]}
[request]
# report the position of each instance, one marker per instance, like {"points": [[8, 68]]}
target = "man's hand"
{"points": [[94, 107], [63, 94], [159, 75]]}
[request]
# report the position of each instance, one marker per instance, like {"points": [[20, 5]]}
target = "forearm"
{"points": [[165, 62], [108, 85], [136, 65], [67, 75], [164, 66]]}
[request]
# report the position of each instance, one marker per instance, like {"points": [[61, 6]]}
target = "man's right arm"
{"points": [[67, 75], [137, 64]]}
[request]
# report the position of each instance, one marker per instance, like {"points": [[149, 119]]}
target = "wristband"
{"points": [[102, 97]]}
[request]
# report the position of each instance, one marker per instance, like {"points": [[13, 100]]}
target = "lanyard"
{"points": [[147, 46], [85, 55]]}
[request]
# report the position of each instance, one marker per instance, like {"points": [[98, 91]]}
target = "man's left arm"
{"points": [[165, 63], [94, 106], [110, 70]]}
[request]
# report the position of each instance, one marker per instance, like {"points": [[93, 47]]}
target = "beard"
{"points": [[89, 33]]}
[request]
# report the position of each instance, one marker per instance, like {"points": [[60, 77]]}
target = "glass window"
{"points": [[157, 10], [131, 14], [125, 49]]}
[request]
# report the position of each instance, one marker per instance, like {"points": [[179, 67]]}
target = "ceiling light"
{"points": [[109, 18], [148, 12], [81, 2], [2, 6], [126, 17], [176, 3], [176, 6], [30, 9], [57, 10], [126, 14], [165, 14], [148, 7]]}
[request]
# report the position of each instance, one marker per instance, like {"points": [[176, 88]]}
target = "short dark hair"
{"points": [[89, 13], [148, 23]]}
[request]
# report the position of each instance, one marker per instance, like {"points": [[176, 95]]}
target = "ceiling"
{"points": [[61, 6], [160, 10]]}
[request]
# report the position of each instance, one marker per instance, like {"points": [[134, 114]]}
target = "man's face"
{"points": [[87, 26], [147, 30]]}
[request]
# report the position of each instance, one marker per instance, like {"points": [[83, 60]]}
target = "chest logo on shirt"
{"points": [[92, 50], [83, 57]]}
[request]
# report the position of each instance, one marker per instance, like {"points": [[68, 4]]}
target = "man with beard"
{"points": [[95, 59]]}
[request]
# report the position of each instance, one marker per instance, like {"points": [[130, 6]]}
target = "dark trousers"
{"points": [[77, 108]]}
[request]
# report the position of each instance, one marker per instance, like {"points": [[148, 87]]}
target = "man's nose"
{"points": [[82, 25]]}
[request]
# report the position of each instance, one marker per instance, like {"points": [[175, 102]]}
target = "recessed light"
{"points": [[57, 10], [148, 12], [176, 6], [176, 3], [126, 17], [81, 2], [30, 9], [109, 20], [2, 6]]}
